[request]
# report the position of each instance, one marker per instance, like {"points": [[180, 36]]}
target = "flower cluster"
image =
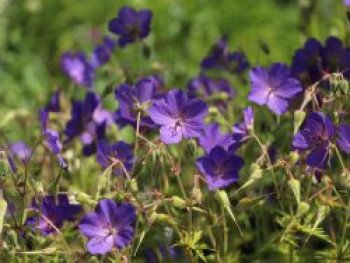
{"points": [[160, 170]]}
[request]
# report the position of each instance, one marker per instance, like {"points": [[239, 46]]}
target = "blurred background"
{"points": [[34, 34]]}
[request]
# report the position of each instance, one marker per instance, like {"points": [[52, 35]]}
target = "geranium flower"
{"points": [[314, 60], [112, 154], [315, 136], [136, 99], [111, 225], [220, 168], [273, 87], [131, 25], [54, 210], [178, 116]]}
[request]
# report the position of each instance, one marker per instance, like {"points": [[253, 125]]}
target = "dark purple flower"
{"points": [[178, 116], [343, 140], [54, 103], [136, 99], [220, 168], [208, 88], [313, 61], [102, 53], [220, 57], [241, 130], [77, 68], [51, 138], [54, 211], [273, 87], [119, 154], [111, 225], [212, 137], [21, 151], [88, 121], [314, 136], [239, 62], [131, 25]]}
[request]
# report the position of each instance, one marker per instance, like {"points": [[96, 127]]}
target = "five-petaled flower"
{"points": [[315, 136], [220, 167], [53, 212], [134, 101], [131, 25], [118, 155], [111, 225], [312, 62], [178, 116], [273, 87]]}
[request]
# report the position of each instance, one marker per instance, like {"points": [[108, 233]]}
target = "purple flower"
{"points": [[313, 61], [136, 99], [54, 103], [220, 168], [119, 154], [54, 211], [77, 68], [102, 53], [314, 136], [51, 138], [241, 130], [347, 2], [217, 89], [212, 137], [220, 57], [273, 87], [21, 151], [88, 121], [178, 116], [131, 25], [111, 225], [343, 140]]}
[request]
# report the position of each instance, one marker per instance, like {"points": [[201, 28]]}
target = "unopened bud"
{"points": [[178, 202]]}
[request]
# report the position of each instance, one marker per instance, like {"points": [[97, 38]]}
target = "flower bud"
{"points": [[197, 195], [255, 172], [302, 209], [178, 202], [293, 157]]}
